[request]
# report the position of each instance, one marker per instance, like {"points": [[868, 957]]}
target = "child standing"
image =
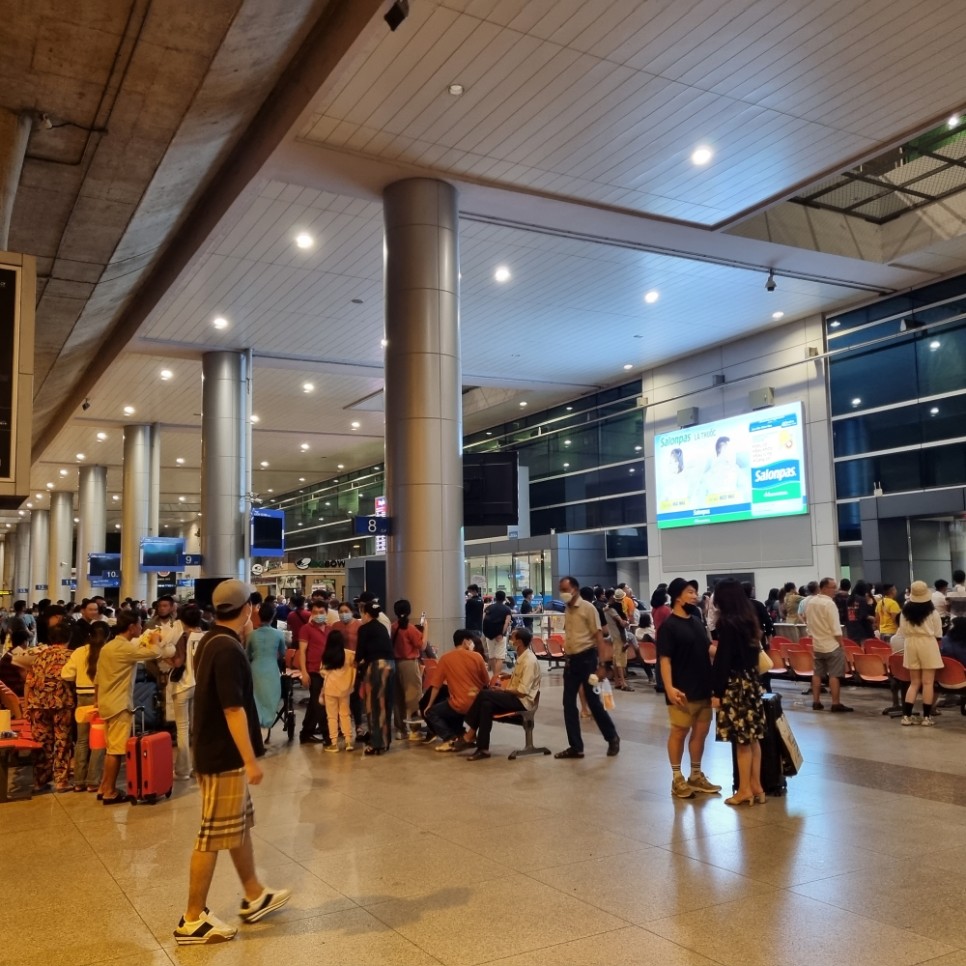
{"points": [[340, 676]]}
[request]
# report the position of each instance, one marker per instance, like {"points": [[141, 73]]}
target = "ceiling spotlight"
{"points": [[29, 505], [128, 410], [355, 425], [21, 513], [40, 496], [777, 315], [304, 447], [341, 466], [115, 497], [76, 520], [934, 411], [771, 284], [181, 499], [953, 122], [166, 374], [101, 437], [457, 90], [304, 240], [63, 472], [523, 405], [701, 155], [219, 322], [80, 457], [502, 274], [50, 486], [254, 418], [652, 296], [301, 479], [117, 526], [264, 464], [180, 460], [627, 366], [308, 387], [934, 345], [856, 401], [270, 490]]}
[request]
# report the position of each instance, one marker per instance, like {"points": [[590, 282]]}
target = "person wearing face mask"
{"points": [[582, 639], [312, 638], [349, 624], [266, 648]]}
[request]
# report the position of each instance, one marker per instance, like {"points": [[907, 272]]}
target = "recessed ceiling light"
{"points": [[29, 505], [254, 418], [327, 503], [701, 155], [128, 410], [117, 526], [457, 90], [63, 472], [355, 425], [652, 296], [300, 524], [76, 520], [21, 513], [570, 409], [40, 496], [304, 240], [632, 470], [934, 345], [50, 486], [637, 449], [834, 324], [341, 466], [566, 465], [101, 437], [181, 499], [166, 375], [80, 457], [264, 464], [523, 405], [220, 322], [308, 387], [566, 442], [934, 411], [627, 366], [502, 274], [856, 401], [115, 497], [180, 460], [301, 479], [777, 315], [270, 490], [304, 447], [953, 122]]}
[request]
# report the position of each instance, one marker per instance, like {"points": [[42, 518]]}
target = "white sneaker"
{"points": [[906, 721], [928, 722], [268, 901], [207, 930]]}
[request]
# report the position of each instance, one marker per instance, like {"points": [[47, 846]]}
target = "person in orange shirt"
{"points": [[465, 674]]}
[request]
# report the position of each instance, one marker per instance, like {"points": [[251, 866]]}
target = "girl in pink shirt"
{"points": [[340, 677]]}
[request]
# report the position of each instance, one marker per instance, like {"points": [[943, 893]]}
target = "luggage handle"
{"points": [[144, 719]]}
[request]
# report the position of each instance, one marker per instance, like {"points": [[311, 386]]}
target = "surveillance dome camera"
{"points": [[85, 405], [771, 284]]}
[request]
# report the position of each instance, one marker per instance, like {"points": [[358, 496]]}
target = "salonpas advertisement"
{"points": [[741, 468]]}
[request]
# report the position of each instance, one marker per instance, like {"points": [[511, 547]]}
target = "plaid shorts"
{"points": [[227, 814]]}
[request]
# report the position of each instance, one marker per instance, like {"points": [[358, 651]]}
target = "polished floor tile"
{"points": [[421, 859]]}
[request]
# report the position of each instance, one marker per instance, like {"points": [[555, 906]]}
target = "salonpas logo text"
{"points": [[777, 473]]}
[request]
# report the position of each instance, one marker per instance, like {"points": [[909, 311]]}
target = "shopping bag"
{"points": [[793, 754], [607, 695]]}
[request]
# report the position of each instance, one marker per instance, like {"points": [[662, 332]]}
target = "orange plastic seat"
{"points": [[539, 647], [871, 668], [802, 663], [648, 651], [952, 677], [897, 669]]}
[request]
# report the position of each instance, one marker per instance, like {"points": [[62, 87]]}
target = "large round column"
{"points": [[92, 525], [39, 541], [60, 548], [9, 569], [14, 133], [21, 564], [135, 507], [225, 463], [154, 501], [423, 402], [4, 582]]}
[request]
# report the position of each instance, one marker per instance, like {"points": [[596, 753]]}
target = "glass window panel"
{"points": [[622, 438], [943, 418], [944, 465], [895, 472], [850, 523], [875, 377], [873, 431], [942, 361]]}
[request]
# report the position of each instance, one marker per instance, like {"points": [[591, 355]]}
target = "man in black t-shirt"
{"points": [[474, 609], [228, 743], [684, 659], [496, 626]]}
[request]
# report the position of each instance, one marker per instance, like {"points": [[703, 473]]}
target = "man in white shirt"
{"points": [[822, 618], [519, 693], [939, 598]]}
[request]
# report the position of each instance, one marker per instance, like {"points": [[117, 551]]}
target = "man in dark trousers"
{"points": [[228, 744], [474, 609]]}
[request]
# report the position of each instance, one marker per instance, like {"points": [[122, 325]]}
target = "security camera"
{"points": [[771, 284], [85, 405], [398, 12]]}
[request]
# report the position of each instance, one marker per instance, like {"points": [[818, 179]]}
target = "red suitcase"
{"points": [[149, 765]]}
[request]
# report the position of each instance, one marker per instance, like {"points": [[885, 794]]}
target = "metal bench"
{"points": [[525, 720]]}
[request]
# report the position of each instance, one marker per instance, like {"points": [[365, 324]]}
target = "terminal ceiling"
{"points": [[186, 151]]}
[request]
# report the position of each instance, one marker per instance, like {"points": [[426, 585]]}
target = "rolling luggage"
{"points": [[772, 757], [149, 764]]}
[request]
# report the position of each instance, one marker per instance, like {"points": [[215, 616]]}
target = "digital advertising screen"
{"points": [[104, 569], [161, 554], [747, 467], [268, 533]]}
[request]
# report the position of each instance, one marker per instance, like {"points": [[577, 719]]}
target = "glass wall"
{"points": [[897, 385], [585, 460], [511, 572]]}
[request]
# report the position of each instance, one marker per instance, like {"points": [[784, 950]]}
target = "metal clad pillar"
{"points": [[92, 514], [423, 401], [135, 506], [39, 540], [225, 463], [21, 565], [60, 548], [154, 501]]}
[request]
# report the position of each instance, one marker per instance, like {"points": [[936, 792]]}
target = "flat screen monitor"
{"points": [[490, 497], [268, 533], [160, 554], [104, 569], [747, 467]]}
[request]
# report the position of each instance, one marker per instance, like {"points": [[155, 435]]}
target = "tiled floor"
{"points": [[421, 858]]}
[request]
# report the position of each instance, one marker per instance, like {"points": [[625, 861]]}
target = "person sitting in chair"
{"points": [[518, 695]]}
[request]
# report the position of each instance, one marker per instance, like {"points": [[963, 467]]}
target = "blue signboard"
{"points": [[371, 526]]}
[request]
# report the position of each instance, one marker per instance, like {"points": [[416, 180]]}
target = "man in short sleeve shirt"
{"points": [[228, 744], [684, 660]]}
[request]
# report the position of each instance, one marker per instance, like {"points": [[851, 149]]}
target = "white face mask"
{"points": [[318, 618], [567, 596]]}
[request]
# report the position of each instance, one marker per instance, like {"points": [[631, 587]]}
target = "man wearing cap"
{"points": [[228, 744], [684, 659], [822, 617], [582, 638]]}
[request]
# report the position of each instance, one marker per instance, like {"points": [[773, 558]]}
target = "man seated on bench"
{"points": [[518, 695], [464, 673]]}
